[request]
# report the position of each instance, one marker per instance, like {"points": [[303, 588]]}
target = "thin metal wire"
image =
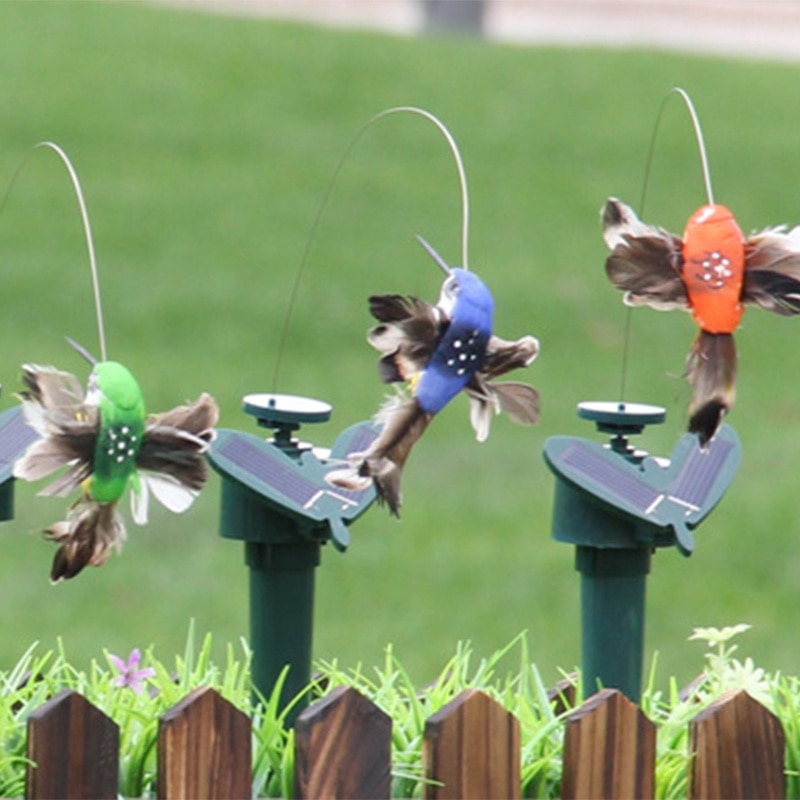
{"points": [[462, 175], [87, 228], [698, 134], [623, 381], [701, 147], [462, 178]]}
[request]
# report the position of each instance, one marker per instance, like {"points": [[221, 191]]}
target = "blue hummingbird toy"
{"points": [[438, 351]]}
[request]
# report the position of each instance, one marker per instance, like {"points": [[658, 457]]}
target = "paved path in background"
{"points": [[751, 28]]}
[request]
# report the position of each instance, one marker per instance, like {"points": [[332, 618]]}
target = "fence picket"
{"points": [[739, 750], [562, 695], [609, 750], [471, 749], [343, 748], [204, 749], [74, 748]]}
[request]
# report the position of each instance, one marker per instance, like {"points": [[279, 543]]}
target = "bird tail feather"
{"points": [[86, 538], [711, 370], [383, 462]]}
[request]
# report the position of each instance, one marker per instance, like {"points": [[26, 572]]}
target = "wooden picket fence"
{"points": [[471, 749]]}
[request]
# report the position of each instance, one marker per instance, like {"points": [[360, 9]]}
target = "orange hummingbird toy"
{"points": [[713, 271]]}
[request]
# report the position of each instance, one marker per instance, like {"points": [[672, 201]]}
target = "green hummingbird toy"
{"points": [[105, 442], [108, 445]]}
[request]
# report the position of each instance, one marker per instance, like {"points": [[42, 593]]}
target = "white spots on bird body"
{"points": [[121, 444], [463, 353], [715, 270]]}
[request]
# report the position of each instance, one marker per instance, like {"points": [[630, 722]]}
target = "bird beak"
{"points": [[435, 256], [81, 351]]}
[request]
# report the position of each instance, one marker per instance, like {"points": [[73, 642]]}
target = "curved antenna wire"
{"points": [[462, 175], [312, 235], [701, 148], [87, 229], [698, 135]]}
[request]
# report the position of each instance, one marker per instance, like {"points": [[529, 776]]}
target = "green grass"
{"points": [[138, 692], [205, 144]]}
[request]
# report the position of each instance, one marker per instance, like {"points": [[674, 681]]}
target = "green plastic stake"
{"points": [[276, 500], [281, 564], [617, 505]]}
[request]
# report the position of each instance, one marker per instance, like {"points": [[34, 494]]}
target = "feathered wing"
{"points": [[772, 271], [645, 261], [170, 492], [406, 336], [519, 400], [172, 451], [53, 404], [502, 356], [55, 391]]}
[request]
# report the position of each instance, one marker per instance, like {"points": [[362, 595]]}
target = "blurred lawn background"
{"points": [[205, 144]]}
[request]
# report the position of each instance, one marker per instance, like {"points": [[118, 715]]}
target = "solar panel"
{"points": [[270, 469], [15, 438], [595, 467], [295, 486], [699, 472], [675, 498]]}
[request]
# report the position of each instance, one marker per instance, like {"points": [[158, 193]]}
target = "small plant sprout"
{"points": [[131, 674], [719, 636], [107, 444], [719, 658], [726, 672]]}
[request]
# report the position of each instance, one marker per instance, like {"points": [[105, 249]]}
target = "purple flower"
{"points": [[129, 673]]}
